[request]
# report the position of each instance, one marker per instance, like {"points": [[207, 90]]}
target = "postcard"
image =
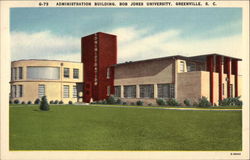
{"points": [[124, 79]]}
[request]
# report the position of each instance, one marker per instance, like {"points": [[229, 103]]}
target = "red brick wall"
{"points": [[106, 57]]}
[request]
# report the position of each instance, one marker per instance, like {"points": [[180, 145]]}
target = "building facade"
{"points": [[178, 77], [58, 80], [213, 76], [98, 76]]}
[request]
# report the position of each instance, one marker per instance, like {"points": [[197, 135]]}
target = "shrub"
{"points": [[195, 104], [51, 102], [29, 102], [111, 100], [231, 101], [56, 102], [10, 102], [203, 102], [160, 102], [44, 106], [104, 102], [16, 101], [60, 102], [172, 102], [23, 102], [187, 102], [139, 103], [99, 102], [118, 101], [70, 102], [150, 104], [37, 101], [124, 103]]}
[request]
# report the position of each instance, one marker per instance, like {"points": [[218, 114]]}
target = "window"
{"points": [[223, 89], [66, 73], [181, 66], [165, 90], [41, 90], [117, 91], [15, 73], [20, 72], [191, 67], [46, 73], [11, 74], [65, 91], [108, 90], [75, 73], [20, 90], [108, 73], [146, 91], [74, 92], [130, 91], [13, 90], [231, 90]]}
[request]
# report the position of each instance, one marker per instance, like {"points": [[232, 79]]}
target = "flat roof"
{"points": [[44, 60], [198, 58]]}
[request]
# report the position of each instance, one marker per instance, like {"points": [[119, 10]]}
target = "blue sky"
{"points": [[54, 33]]}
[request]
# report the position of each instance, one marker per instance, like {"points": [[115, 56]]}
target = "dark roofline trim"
{"points": [[176, 57], [44, 60]]}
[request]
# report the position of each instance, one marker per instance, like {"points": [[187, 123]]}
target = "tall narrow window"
{"points": [[75, 73], [147, 91], [130, 91], [15, 73], [11, 74], [20, 90], [117, 91], [65, 91], [20, 72], [231, 90], [14, 91], [223, 89], [108, 90], [108, 73], [41, 90], [74, 92], [181, 66], [66, 73]]}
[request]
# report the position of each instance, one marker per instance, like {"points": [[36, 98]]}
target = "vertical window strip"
{"points": [[117, 91], [41, 90], [65, 91], [74, 92]]}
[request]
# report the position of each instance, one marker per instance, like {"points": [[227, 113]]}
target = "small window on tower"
{"points": [[108, 90], [108, 73]]}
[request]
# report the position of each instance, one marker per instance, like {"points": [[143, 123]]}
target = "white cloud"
{"points": [[133, 44], [44, 45], [169, 42]]}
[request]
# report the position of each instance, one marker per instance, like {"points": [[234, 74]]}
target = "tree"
{"points": [[44, 106]]}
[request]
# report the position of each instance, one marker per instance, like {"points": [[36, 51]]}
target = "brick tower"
{"points": [[99, 54]]}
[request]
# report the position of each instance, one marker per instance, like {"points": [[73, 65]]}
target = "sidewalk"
{"points": [[166, 108]]}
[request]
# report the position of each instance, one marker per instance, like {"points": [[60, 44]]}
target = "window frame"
{"points": [[75, 73], [182, 68], [64, 71], [67, 93], [119, 91], [44, 92], [74, 92], [133, 95], [144, 90]]}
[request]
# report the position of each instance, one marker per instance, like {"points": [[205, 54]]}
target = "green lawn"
{"points": [[69, 127]]}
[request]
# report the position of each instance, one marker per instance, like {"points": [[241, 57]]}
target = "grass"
{"points": [[69, 127]]}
